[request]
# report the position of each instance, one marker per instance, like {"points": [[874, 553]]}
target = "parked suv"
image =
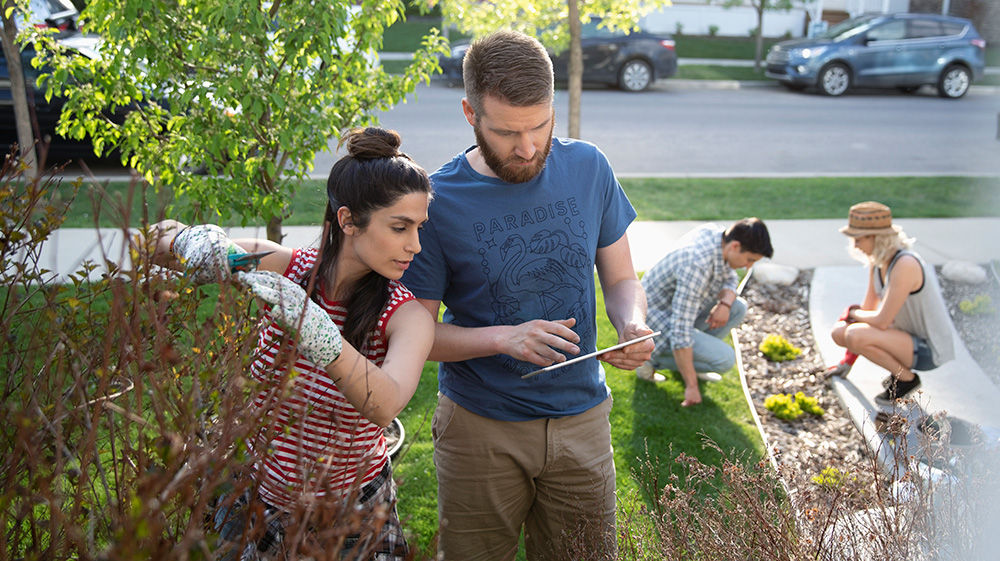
{"points": [[903, 51]]}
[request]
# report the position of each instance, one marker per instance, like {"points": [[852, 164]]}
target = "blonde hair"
{"points": [[884, 248]]}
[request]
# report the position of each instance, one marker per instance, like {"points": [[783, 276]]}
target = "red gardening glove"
{"points": [[846, 315]]}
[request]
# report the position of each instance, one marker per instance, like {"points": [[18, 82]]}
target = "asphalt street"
{"points": [[740, 129]]}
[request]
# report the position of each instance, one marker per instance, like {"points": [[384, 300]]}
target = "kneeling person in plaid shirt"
{"points": [[691, 294]]}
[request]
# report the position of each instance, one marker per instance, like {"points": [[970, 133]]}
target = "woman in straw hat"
{"points": [[901, 325]]}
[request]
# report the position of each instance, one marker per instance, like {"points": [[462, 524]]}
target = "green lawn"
{"points": [[700, 46], [659, 199]]}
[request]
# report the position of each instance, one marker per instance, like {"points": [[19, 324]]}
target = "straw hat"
{"points": [[869, 219]]}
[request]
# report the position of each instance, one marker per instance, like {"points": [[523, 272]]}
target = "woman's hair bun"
{"points": [[371, 142]]}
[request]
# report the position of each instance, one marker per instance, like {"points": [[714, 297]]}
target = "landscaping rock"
{"points": [[963, 271], [772, 273]]}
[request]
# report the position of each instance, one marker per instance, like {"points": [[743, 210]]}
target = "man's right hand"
{"points": [[692, 396], [538, 341]]}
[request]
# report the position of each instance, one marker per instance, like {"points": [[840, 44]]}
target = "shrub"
{"points": [[713, 30], [742, 509], [678, 28], [778, 349], [830, 477], [789, 407], [981, 304], [126, 412]]}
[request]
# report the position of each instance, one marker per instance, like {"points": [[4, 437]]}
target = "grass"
{"points": [[708, 72], [666, 199], [700, 46]]}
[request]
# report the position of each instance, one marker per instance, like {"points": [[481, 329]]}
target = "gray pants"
{"points": [[711, 353]]}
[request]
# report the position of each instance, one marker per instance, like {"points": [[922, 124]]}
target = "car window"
{"points": [[590, 30], [923, 28], [953, 27], [891, 31], [849, 28]]}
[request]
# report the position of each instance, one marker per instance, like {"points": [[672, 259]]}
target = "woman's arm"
{"points": [[907, 276], [163, 233], [380, 393]]}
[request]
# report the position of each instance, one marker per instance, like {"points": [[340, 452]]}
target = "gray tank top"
{"points": [[923, 313]]}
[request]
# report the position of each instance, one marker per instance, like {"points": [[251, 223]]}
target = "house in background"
{"points": [[701, 17]]}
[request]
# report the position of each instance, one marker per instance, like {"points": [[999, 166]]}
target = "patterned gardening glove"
{"points": [[205, 251], [319, 339]]}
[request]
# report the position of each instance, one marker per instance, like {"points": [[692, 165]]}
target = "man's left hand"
{"points": [[632, 356], [719, 316]]}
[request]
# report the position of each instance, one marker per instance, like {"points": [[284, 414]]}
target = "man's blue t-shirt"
{"points": [[499, 253]]}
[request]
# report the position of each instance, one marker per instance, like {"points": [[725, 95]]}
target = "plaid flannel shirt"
{"points": [[684, 282]]}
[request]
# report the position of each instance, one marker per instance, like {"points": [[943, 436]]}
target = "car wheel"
{"points": [[635, 76], [954, 82], [834, 79]]}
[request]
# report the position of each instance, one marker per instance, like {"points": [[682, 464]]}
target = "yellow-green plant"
{"points": [[783, 406], [778, 349], [830, 477], [981, 304], [789, 407]]}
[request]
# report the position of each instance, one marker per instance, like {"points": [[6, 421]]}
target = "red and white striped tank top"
{"points": [[319, 443]]}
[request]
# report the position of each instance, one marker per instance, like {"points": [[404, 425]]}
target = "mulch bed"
{"points": [[809, 444]]}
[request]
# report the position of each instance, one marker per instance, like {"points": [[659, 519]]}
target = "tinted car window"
{"points": [[953, 28], [849, 28], [892, 31], [922, 28], [590, 30]]}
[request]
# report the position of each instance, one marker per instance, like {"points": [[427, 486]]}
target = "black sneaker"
{"points": [[897, 389]]}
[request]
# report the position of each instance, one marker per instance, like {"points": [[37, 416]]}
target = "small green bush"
{"points": [[788, 407], [778, 349], [713, 30], [979, 305], [830, 477]]}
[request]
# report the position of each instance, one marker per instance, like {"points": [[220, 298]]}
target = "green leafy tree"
{"points": [[760, 6], [556, 23], [248, 91]]}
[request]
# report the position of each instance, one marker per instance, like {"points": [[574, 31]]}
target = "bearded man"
{"points": [[518, 224]]}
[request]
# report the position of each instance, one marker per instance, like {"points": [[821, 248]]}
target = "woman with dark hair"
{"points": [[361, 342], [901, 325]]}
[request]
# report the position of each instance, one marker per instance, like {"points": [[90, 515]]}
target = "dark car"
{"points": [[47, 112], [630, 61], [902, 51]]}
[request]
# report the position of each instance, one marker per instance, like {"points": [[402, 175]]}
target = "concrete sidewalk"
{"points": [[803, 244]]}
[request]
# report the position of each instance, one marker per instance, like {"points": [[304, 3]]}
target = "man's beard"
{"points": [[512, 169]]}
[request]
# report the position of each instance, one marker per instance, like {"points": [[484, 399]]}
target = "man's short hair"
{"points": [[752, 235], [510, 66]]}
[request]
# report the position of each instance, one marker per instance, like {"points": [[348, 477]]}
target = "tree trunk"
{"points": [[19, 92], [575, 69], [760, 37], [274, 229]]}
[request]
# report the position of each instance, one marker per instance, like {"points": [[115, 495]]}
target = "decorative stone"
{"points": [[963, 271], [772, 273]]}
